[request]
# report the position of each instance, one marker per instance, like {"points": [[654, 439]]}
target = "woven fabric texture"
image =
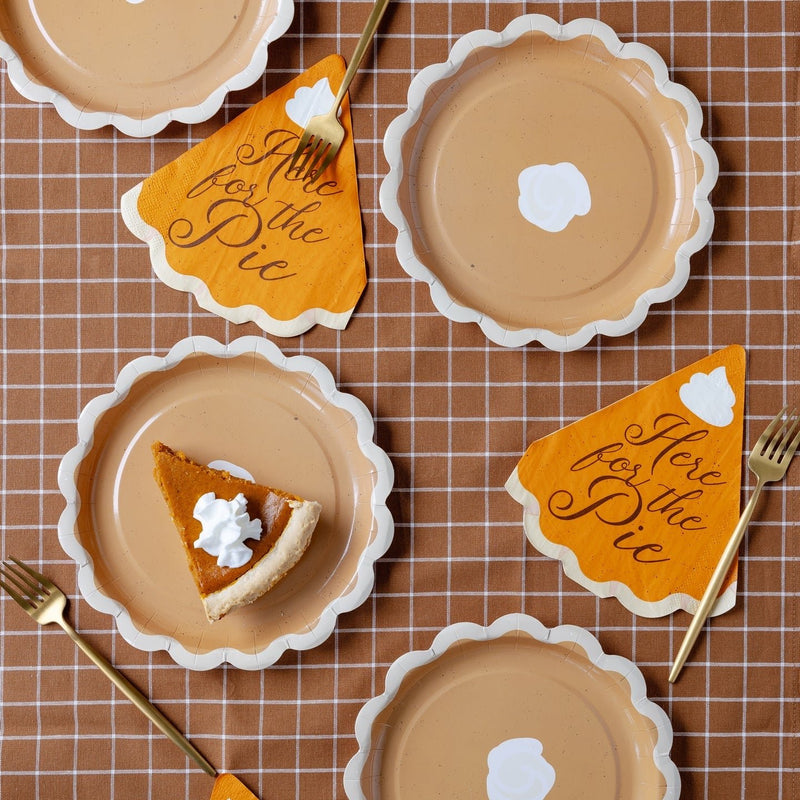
{"points": [[79, 300]]}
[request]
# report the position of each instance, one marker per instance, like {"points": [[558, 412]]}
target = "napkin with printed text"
{"points": [[232, 222], [639, 499]]}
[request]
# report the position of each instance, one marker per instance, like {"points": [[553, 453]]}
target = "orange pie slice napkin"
{"points": [[638, 499], [229, 787], [231, 222]]}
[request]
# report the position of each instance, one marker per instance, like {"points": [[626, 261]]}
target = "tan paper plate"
{"points": [[137, 64], [281, 419], [548, 182], [512, 711]]}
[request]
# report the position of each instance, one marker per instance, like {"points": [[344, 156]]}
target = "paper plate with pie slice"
{"points": [[549, 182], [137, 64], [245, 404], [513, 710]]}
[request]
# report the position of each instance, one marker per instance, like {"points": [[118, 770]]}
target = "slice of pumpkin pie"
{"points": [[240, 537]]}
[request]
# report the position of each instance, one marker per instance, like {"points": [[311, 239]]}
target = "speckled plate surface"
{"points": [[512, 710], [137, 64], [281, 419], [548, 182]]}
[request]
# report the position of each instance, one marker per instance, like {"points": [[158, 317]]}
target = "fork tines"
{"points": [[781, 437], [26, 580], [316, 152], [302, 146]]}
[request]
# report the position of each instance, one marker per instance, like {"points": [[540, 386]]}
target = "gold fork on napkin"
{"points": [[324, 134], [46, 603], [768, 461]]}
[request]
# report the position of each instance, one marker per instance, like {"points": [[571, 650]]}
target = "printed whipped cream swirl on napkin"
{"points": [[638, 499], [249, 236]]}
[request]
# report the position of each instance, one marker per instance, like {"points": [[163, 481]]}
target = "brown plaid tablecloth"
{"points": [[79, 300]]}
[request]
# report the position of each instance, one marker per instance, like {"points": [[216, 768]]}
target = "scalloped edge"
{"points": [[140, 128], [129, 208], [572, 568], [363, 580], [531, 626], [442, 300]]}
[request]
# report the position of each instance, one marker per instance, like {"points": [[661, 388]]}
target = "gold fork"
{"points": [[324, 134], [46, 603], [768, 461]]}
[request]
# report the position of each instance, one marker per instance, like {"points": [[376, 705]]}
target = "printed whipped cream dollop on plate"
{"points": [[234, 469], [552, 195], [710, 397], [457, 721], [590, 199], [519, 771]]}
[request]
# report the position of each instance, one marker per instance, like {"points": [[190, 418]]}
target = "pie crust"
{"points": [[287, 522]]}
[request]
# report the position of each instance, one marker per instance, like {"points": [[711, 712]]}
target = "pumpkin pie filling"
{"points": [[183, 481]]}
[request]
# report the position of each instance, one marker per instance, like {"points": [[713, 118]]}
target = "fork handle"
{"points": [[715, 584], [361, 50], [138, 699]]}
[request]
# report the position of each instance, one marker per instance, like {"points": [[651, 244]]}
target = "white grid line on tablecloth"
{"points": [[784, 506], [511, 524], [41, 513], [4, 403], [78, 297], [745, 545]]}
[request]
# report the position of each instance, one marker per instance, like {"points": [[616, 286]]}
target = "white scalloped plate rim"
{"points": [[572, 568], [442, 300], [511, 623], [364, 578], [129, 207], [82, 119]]}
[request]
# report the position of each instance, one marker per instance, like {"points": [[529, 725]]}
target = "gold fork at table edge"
{"points": [[768, 461], [323, 134], [46, 603]]}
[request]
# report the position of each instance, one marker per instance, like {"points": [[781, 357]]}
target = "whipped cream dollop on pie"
{"points": [[249, 535], [226, 526]]}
